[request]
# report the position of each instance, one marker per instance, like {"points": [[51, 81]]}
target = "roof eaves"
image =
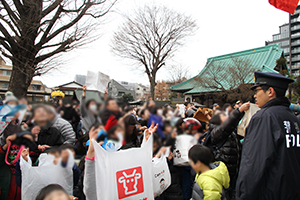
{"points": [[268, 69], [245, 52], [181, 84]]}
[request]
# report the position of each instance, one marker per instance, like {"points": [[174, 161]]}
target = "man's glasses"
{"points": [[257, 89]]}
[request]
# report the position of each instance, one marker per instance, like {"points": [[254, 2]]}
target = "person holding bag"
{"points": [[90, 182]]}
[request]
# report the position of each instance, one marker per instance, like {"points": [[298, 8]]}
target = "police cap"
{"points": [[271, 79]]}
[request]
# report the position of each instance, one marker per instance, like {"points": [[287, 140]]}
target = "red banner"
{"points": [[285, 5]]}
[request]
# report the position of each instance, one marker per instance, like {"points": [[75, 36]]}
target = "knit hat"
{"points": [[9, 96]]}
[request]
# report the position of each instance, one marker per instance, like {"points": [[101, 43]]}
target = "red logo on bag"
{"points": [[130, 182]]}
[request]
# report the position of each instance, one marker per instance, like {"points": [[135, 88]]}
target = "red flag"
{"points": [[285, 5]]}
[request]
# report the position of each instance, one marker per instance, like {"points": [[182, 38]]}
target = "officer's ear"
{"points": [[271, 92]]}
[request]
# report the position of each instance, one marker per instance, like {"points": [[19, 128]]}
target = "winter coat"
{"points": [[78, 189], [212, 182], [70, 115], [270, 162], [65, 129], [50, 136], [5, 176], [157, 120], [230, 151], [87, 117], [174, 191]]}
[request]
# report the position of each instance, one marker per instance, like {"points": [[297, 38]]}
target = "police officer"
{"points": [[270, 165]]}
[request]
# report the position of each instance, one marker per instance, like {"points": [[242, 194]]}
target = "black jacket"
{"points": [[270, 165], [50, 136], [174, 191], [230, 151]]}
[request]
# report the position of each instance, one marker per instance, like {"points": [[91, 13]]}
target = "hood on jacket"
{"points": [[218, 173]]}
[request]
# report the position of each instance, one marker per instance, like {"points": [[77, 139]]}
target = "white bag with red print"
{"points": [[182, 146], [162, 176], [125, 174]]}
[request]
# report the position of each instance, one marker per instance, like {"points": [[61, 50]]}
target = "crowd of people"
{"points": [[223, 164]]}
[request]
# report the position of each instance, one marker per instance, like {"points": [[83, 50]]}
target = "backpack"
{"points": [[205, 140]]}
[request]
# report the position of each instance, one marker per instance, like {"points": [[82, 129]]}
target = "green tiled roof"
{"points": [[260, 59]]}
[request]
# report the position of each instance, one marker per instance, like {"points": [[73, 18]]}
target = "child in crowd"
{"points": [[211, 177], [167, 128], [54, 192], [112, 134]]}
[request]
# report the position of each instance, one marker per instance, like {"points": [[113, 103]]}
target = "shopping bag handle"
{"points": [[16, 158]]}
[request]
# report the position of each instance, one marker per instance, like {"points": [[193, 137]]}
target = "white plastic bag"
{"points": [[125, 174], [182, 146], [35, 178], [162, 176]]}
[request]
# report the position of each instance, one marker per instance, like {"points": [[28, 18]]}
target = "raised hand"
{"points": [[64, 156], [93, 134], [245, 107], [11, 138], [25, 153], [43, 147], [35, 131], [83, 90], [151, 129], [162, 151]]}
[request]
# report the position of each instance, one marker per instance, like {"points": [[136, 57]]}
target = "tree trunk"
{"points": [[152, 85], [21, 78]]}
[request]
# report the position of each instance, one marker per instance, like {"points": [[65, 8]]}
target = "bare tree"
{"points": [[231, 82], [151, 37], [178, 73], [221, 77], [34, 32]]}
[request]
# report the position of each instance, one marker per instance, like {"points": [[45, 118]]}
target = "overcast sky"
{"points": [[225, 26]]}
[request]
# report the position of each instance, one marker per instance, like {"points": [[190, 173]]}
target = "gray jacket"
{"points": [[87, 117], [89, 181], [65, 129]]}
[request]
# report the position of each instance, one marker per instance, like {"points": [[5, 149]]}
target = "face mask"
{"points": [[93, 107], [134, 112], [170, 112], [160, 112]]}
